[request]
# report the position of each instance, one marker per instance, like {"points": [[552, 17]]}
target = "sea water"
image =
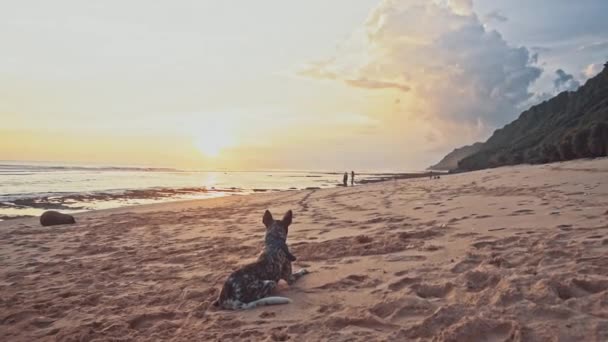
{"points": [[29, 188]]}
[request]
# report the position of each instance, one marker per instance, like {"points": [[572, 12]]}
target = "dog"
{"points": [[251, 285]]}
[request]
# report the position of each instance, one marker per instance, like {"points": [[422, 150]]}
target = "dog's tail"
{"points": [[266, 301]]}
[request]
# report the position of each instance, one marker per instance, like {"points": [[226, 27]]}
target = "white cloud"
{"points": [[461, 7], [592, 70], [318, 70], [374, 84], [496, 15], [446, 58], [594, 47]]}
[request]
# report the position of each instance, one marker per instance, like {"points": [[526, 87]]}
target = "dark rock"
{"points": [[52, 218]]}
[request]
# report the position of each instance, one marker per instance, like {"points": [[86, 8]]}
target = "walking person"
{"points": [[345, 179], [352, 178]]}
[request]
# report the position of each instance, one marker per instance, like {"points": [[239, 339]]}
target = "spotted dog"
{"points": [[251, 285]]}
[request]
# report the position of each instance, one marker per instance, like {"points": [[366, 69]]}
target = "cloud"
{"points": [[461, 7], [592, 70], [454, 68], [372, 84], [594, 47], [565, 81], [553, 22], [496, 16], [318, 70], [541, 49]]}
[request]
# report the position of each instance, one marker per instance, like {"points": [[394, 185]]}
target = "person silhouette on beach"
{"points": [[352, 178], [345, 179]]}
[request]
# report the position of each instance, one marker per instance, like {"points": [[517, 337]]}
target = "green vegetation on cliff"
{"points": [[571, 125], [450, 161]]}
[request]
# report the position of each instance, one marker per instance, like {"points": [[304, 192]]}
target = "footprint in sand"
{"points": [[432, 290], [483, 244], [574, 288], [465, 235], [481, 329], [353, 281], [363, 239], [407, 306], [403, 282], [479, 280], [356, 318], [18, 317], [470, 262], [400, 258], [267, 314], [430, 248], [400, 273], [145, 321], [522, 212], [328, 308], [329, 267], [41, 322]]}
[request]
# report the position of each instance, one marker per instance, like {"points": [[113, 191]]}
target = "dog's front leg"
{"points": [[299, 274], [267, 287], [288, 276], [291, 278]]}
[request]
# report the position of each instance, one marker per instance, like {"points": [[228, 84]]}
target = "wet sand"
{"points": [[510, 254]]}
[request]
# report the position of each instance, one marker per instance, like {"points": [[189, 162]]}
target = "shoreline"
{"points": [[22, 206]]}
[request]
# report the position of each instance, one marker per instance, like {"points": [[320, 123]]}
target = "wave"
{"points": [[88, 200], [24, 169]]}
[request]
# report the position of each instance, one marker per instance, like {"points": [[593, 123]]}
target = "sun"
{"points": [[209, 149], [213, 141]]}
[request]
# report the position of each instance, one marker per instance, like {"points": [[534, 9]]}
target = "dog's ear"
{"points": [[287, 218], [268, 220]]}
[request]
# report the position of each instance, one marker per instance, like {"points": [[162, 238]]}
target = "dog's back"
{"points": [[251, 282], [245, 287]]}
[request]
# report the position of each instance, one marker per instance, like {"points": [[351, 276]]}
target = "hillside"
{"points": [[571, 125], [450, 161]]}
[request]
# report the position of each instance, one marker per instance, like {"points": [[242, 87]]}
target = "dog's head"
{"points": [[277, 228]]}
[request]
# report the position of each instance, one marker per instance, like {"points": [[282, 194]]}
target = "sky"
{"points": [[274, 84]]}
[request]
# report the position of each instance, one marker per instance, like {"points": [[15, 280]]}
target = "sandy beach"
{"points": [[509, 254]]}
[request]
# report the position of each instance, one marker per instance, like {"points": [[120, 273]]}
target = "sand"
{"points": [[509, 254]]}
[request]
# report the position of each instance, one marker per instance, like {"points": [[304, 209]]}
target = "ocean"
{"points": [[28, 189]]}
